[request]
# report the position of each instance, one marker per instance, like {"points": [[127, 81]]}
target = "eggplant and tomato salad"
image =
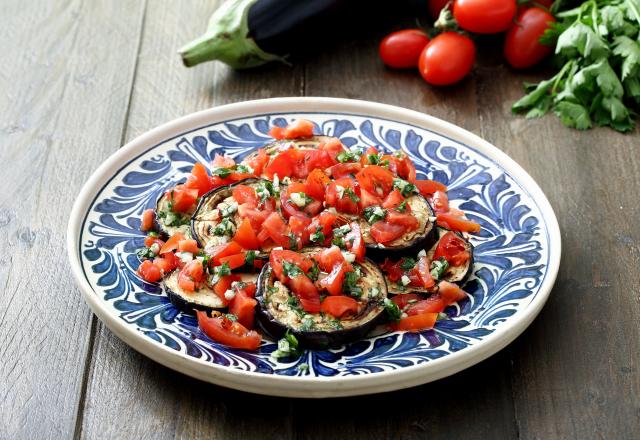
{"points": [[309, 241]]}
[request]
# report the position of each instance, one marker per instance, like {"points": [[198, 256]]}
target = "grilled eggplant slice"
{"points": [[455, 274], [278, 311], [203, 299], [210, 213], [169, 222]]}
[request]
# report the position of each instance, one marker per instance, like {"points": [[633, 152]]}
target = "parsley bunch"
{"points": [[598, 46]]}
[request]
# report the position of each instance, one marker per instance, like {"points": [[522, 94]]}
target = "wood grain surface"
{"points": [[80, 78]]}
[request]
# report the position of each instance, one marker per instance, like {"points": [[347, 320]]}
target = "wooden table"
{"points": [[81, 78]]}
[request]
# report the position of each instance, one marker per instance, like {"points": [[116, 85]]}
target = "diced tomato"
{"points": [[423, 273], [188, 245], [364, 159], [392, 270], [149, 271], [229, 333], [450, 293], [191, 275], [332, 283], [287, 163], [452, 248], [277, 132], [288, 207], [316, 184], [406, 169], [166, 265], [345, 203], [185, 282], [337, 306], [391, 162], [150, 240], [149, 220], [249, 289], [306, 292], [405, 299], [324, 221], [243, 307], [368, 199], [263, 237], [376, 179], [393, 200], [257, 161], [440, 201], [355, 242], [428, 187], [450, 221], [223, 250], [245, 194], [182, 198], [318, 159], [172, 243], [328, 258], [333, 147], [255, 215], [276, 229], [347, 169], [200, 179], [276, 258], [416, 323], [383, 232], [433, 304], [407, 220], [224, 284], [245, 236], [299, 129], [234, 261], [221, 161], [298, 226]]}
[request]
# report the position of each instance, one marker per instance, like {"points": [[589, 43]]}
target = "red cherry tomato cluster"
{"points": [[450, 56]]}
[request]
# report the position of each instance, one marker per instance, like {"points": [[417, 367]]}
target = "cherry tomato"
{"points": [[522, 47], [484, 16], [447, 59], [229, 333], [435, 6], [402, 49]]}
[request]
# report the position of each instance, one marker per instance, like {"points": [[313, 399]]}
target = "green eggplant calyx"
{"points": [[227, 39]]}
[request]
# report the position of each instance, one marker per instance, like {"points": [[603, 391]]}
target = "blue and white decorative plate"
{"points": [[517, 254]]}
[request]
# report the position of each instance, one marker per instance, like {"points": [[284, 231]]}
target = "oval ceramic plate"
{"points": [[517, 253]]}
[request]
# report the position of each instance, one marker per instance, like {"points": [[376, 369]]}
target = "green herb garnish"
{"points": [[250, 258], [439, 268], [374, 214], [405, 188], [290, 270], [287, 346], [349, 193], [407, 263], [318, 236], [393, 311]]}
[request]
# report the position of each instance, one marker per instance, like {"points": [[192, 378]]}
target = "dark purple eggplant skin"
{"points": [[315, 340]]}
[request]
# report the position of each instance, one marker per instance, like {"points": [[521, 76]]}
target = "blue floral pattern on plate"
{"points": [[511, 252]]}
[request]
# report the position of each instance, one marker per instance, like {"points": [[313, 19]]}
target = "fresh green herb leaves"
{"points": [[293, 242], [314, 272], [339, 234], [291, 270], [265, 190], [225, 227], [407, 263], [349, 285], [287, 347], [318, 236], [405, 188], [392, 309], [228, 210], [348, 192], [598, 45], [250, 258], [438, 268], [222, 172], [402, 207], [348, 156], [374, 214]]}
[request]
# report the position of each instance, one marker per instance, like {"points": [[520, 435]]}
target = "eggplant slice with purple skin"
{"points": [[456, 274], [278, 310], [203, 299]]}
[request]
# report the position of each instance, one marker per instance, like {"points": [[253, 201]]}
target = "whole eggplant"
{"points": [[249, 33]]}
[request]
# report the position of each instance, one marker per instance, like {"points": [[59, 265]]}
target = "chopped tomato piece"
{"points": [[433, 304], [257, 161], [182, 198], [407, 220], [276, 258], [249, 289], [243, 307], [324, 221], [368, 199], [306, 292], [332, 283], [343, 194], [392, 269], [383, 232], [188, 245], [221, 161], [333, 147], [223, 250], [234, 261], [298, 226], [428, 187], [150, 240], [287, 163], [172, 243], [245, 194], [355, 242], [406, 169], [191, 275], [328, 258], [316, 184], [255, 215], [450, 293], [224, 284], [299, 129], [347, 169], [376, 179], [277, 132], [149, 220], [276, 229], [318, 159], [165, 265], [337, 306], [416, 323], [452, 248], [393, 200], [364, 159], [229, 333], [245, 236], [406, 299], [440, 201], [149, 271], [185, 282], [200, 179], [423, 273], [456, 223]]}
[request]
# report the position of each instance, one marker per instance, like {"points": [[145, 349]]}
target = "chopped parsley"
{"points": [[287, 346], [374, 159], [231, 317], [374, 214], [222, 172], [243, 168], [307, 324], [294, 304], [318, 236], [393, 311], [349, 284], [290, 270], [225, 227], [348, 156], [170, 218], [314, 272], [250, 258], [145, 252], [439, 268], [402, 207], [405, 188], [265, 190], [407, 263], [341, 231], [349, 193], [293, 242]]}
